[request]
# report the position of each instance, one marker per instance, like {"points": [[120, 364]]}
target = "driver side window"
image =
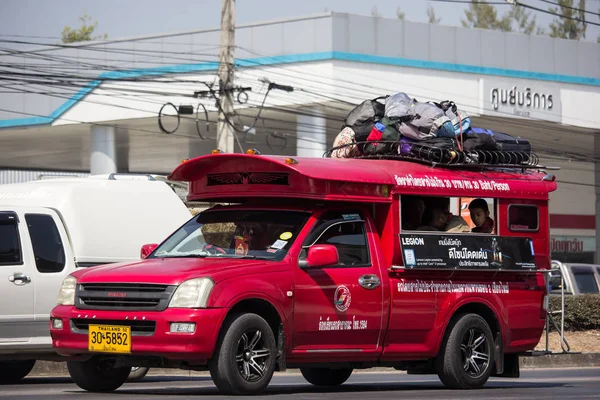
{"points": [[348, 236]]}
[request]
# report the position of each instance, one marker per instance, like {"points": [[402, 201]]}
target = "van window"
{"points": [[523, 218], [448, 214], [10, 246], [47, 245]]}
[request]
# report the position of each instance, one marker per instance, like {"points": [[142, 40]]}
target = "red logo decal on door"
{"points": [[342, 298]]}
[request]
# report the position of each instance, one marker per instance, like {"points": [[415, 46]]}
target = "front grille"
{"points": [[138, 328], [123, 296]]}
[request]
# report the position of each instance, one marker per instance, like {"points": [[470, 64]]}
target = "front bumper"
{"points": [[72, 339]]}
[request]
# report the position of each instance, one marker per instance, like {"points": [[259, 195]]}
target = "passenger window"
{"points": [[523, 218], [47, 245], [448, 214], [347, 232], [10, 246]]}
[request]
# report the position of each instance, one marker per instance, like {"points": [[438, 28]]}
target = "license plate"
{"points": [[109, 338]]}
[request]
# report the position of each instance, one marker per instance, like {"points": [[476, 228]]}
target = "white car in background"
{"points": [[50, 228]]}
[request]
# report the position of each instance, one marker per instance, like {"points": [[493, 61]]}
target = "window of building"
{"points": [[448, 214], [10, 245], [47, 244], [523, 218]]}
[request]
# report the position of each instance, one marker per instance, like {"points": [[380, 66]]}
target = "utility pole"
{"points": [[225, 131]]}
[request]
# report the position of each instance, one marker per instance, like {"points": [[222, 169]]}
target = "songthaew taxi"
{"points": [[429, 262]]}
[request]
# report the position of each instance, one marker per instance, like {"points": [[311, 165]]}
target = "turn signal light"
{"points": [[290, 161], [216, 151], [185, 160], [253, 152]]}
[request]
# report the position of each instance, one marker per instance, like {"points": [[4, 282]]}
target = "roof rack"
{"points": [[437, 156]]}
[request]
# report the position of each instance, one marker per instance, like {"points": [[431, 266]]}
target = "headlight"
{"points": [[66, 296], [192, 294]]}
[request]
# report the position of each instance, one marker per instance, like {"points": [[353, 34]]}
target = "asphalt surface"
{"points": [[571, 383]]}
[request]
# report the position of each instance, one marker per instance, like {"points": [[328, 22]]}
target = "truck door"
{"points": [[16, 307], [338, 308], [53, 260]]}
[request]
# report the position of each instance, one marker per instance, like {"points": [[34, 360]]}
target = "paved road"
{"points": [[583, 383]]}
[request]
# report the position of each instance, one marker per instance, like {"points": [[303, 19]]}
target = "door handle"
{"points": [[369, 281], [19, 279]]}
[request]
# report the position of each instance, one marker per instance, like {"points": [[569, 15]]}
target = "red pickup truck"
{"points": [[326, 265]]}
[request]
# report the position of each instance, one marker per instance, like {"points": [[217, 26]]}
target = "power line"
{"points": [[494, 3], [570, 8], [555, 14]]}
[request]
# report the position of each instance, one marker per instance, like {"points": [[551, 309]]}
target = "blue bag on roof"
{"points": [[504, 141]]}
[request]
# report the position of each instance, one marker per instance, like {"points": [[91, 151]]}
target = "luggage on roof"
{"points": [[436, 133]]}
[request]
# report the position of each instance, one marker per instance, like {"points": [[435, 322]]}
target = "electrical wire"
{"points": [[555, 14], [292, 111], [570, 8]]}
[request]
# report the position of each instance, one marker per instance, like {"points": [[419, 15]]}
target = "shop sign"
{"points": [[572, 244], [522, 100]]}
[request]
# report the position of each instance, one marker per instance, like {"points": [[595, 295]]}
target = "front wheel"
{"points": [[97, 375], [466, 358], [244, 359], [326, 376]]}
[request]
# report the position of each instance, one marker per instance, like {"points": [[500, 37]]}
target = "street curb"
{"points": [[555, 360]]}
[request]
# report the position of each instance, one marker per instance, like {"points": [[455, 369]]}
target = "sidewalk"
{"points": [[557, 360]]}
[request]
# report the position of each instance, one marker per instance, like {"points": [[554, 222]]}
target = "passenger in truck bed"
{"points": [[480, 215], [434, 219]]}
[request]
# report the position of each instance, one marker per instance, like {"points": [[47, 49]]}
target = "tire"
{"points": [[137, 374], [232, 367], [326, 376], [464, 361], [97, 375], [14, 371]]}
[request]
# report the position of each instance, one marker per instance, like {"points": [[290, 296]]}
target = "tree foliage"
{"points": [[432, 17], [83, 33], [485, 16], [524, 22], [572, 25], [400, 14]]}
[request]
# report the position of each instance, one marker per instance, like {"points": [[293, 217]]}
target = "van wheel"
{"points": [[137, 374], [326, 376], [97, 375], [14, 371], [466, 358], [244, 358]]}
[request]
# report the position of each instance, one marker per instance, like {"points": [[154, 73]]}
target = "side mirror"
{"points": [[322, 255], [147, 249]]}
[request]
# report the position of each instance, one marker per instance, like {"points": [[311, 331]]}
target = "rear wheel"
{"points": [[326, 376], [244, 359], [466, 358], [97, 375], [14, 371], [137, 374]]}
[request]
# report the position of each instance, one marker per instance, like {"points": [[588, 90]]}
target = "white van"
{"points": [[49, 228]]}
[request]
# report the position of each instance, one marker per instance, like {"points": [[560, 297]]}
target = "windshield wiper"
{"points": [[186, 256], [251, 257]]}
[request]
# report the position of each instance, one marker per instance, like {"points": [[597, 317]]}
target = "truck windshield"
{"points": [[263, 234]]}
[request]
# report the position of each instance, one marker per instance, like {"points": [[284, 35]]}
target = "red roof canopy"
{"points": [[221, 176]]}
